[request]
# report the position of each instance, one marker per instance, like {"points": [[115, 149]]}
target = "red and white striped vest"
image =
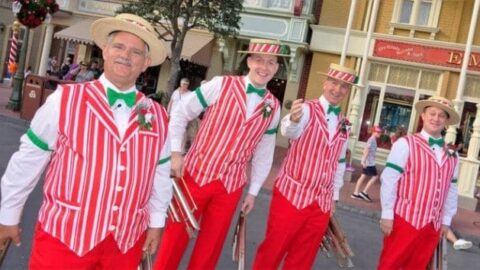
{"points": [[424, 184], [308, 171], [226, 139], [98, 184]]}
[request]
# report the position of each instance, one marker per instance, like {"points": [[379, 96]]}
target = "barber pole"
{"points": [[13, 48], [12, 59]]}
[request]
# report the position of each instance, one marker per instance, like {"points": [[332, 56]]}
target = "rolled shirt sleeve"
{"points": [[451, 203], [27, 164], [396, 162], [339, 173], [162, 189]]}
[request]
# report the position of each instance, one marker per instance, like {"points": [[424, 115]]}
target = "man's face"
{"points": [[184, 86], [125, 57], [434, 120], [262, 68], [335, 91]]}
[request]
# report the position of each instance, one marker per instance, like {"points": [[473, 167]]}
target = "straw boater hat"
{"points": [[341, 73], [133, 24], [267, 46], [441, 103]]}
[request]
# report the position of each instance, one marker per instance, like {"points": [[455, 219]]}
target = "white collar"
{"points": [[108, 84]]}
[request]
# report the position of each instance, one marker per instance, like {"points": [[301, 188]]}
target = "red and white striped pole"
{"points": [[13, 48]]}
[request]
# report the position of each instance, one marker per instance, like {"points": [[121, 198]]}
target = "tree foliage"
{"points": [[174, 18]]}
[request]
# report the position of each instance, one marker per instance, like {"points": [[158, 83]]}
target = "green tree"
{"points": [[174, 18]]}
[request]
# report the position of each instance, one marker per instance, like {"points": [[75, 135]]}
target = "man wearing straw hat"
{"points": [[239, 126], [310, 177], [107, 184], [419, 190]]}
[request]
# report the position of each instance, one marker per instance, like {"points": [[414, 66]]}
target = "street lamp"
{"points": [[30, 13]]}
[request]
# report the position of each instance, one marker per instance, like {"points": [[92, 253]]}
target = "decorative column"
{"points": [[458, 101], [47, 44], [469, 169], [355, 107]]}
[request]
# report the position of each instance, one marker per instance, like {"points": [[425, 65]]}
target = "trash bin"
{"points": [[35, 91], [32, 96], [49, 86]]}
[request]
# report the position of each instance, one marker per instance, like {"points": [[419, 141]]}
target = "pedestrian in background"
{"points": [[239, 127], [419, 189], [107, 185], [84, 74], [310, 177], [368, 165]]}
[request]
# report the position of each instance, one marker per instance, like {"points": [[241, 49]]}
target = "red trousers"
{"points": [[291, 233], [408, 248], [49, 253], [216, 208]]}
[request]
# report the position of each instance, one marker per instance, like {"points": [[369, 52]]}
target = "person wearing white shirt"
{"points": [[238, 127], [418, 190], [180, 93], [310, 177], [106, 152]]}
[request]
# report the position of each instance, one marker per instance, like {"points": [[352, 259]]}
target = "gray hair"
{"points": [[112, 34]]}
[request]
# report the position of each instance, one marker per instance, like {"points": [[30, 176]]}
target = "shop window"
{"points": [[403, 76], [396, 112], [378, 72], [417, 12], [275, 4], [416, 15], [429, 80], [466, 123], [472, 86], [368, 119]]}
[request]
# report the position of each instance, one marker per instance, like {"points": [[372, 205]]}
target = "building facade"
{"points": [[405, 51]]}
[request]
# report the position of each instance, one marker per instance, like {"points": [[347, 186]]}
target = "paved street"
{"points": [[361, 226]]}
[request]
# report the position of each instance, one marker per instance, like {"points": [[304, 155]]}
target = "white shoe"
{"points": [[462, 244]]}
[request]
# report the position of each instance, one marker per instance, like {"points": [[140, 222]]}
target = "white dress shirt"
{"points": [[293, 130], [190, 107], [389, 179], [27, 164]]}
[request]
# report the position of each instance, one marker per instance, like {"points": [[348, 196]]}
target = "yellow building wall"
{"points": [[384, 17], [335, 13], [320, 63]]}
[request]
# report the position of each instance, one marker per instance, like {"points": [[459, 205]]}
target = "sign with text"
{"points": [[424, 54]]}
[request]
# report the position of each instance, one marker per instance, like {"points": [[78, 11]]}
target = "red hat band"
{"points": [[340, 75], [264, 48]]}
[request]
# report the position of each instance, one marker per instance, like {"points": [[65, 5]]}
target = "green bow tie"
{"points": [[128, 98], [440, 142], [335, 109], [258, 91]]}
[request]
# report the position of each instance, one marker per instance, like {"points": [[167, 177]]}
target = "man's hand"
{"points": [[9, 232], [152, 240], [444, 230], [333, 208], [386, 226], [177, 164], [248, 204], [296, 112]]}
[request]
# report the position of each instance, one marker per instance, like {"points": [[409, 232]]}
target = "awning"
{"points": [[197, 48], [79, 32]]}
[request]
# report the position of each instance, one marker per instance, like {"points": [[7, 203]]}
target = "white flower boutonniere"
{"points": [[450, 150], [345, 125], [144, 114], [267, 108]]}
